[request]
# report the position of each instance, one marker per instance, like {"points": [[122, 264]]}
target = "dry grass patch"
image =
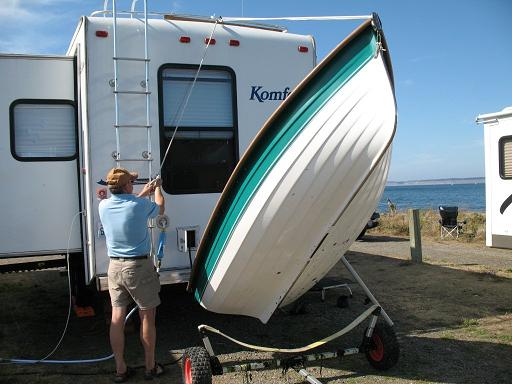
{"points": [[493, 329], [397, 224]]}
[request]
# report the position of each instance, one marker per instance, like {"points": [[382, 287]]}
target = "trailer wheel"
{"points": [[382, 350], [196, 367]]}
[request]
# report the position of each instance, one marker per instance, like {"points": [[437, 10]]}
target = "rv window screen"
{"points": [[210, 101], [41, 131], [203, 152], [506, 157]]}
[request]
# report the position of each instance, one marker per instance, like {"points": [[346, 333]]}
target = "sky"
{"points": [[452, 60]]}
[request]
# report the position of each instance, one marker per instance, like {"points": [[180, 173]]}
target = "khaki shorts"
{"points": [[133, 280]]}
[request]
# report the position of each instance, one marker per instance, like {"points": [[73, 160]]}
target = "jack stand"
{"points": [[346, 286], [84, 311], [331, 284]]}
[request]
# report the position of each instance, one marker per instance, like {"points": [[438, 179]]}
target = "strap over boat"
{"points": [[206, 328]]}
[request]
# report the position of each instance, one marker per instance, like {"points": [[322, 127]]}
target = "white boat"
{"points": [[305, 187]]}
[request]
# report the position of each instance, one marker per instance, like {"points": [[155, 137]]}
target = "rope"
{"points": [[316, 344], [184, 105], [299, 18]]}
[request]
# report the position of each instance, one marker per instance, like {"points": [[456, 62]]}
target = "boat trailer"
{"points": [[379, 345]]}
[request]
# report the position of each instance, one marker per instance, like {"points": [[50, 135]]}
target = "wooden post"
{"points": [[415, 235]]}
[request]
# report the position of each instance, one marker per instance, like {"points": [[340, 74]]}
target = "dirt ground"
{"points": [[452, 314]]}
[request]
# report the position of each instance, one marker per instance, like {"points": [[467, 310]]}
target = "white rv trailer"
{"points": [[67, 122], [498, 177]]}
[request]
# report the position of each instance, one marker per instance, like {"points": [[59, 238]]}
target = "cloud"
{"points": [[30, 26], [32, 11], [12, 12]]}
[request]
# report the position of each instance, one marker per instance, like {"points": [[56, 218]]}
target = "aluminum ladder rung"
{"points": [[132, 59], [133, 92], [132, 126], [119, 160]]}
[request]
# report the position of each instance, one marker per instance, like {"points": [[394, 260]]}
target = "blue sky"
{"points": [[451, 58]]}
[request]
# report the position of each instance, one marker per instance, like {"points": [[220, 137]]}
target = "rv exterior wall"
{"points": [[498, 183], [266, 66]]}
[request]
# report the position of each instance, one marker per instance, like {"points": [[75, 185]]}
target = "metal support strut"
{"points": [[365, 289]]}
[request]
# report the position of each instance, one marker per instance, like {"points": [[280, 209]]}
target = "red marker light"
{"points": [[234, 43], [302, 48], [208, 40], [101, 193], [101, 33], [184, 39]]}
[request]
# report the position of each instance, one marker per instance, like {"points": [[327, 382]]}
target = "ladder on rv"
{"points": [[120, 93]]}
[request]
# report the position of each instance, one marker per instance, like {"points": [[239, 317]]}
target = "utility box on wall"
{"points": [[187, 238]]}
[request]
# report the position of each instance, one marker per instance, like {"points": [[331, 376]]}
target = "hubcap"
{"points": [[188, 371], [377, 353]]}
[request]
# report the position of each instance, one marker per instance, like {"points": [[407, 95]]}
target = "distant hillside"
{"points": [[462, 180]]}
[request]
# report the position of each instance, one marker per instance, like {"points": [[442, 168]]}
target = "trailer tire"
{"points": [[382, 350], [196, 367]]}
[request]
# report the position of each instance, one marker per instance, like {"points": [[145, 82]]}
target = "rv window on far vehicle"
{"points": [[204, 150], [505, 145], [43, 130]]}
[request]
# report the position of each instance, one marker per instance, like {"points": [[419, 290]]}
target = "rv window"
{"points": [[43, 130], [203, 152], [505, 145]]}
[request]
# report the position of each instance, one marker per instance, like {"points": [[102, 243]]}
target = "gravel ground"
{"points": [[448, 252], [452, 314]]}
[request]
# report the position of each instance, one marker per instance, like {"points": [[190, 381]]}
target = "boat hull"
{"points": [[291, 210]]}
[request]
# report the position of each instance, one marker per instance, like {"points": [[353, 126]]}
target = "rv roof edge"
{"points": [[30, 56], [249, 22], [506, 112]]}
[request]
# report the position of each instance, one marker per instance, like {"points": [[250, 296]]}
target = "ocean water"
{"points": [[470, 197]]}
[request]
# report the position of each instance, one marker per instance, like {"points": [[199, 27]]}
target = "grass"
{"points": [[397, 224], [505, 338], [469, 322], [491, 329]]}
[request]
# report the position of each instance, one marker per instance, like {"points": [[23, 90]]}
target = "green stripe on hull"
{"points": [[274, 142]]}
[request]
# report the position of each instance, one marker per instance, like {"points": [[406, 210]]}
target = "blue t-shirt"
{"points": [[125, 223]]}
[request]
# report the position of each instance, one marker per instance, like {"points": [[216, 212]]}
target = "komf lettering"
{"points": [[262, 95]]}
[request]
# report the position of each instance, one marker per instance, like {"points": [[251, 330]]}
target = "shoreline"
{"points": [[455, 181]]}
